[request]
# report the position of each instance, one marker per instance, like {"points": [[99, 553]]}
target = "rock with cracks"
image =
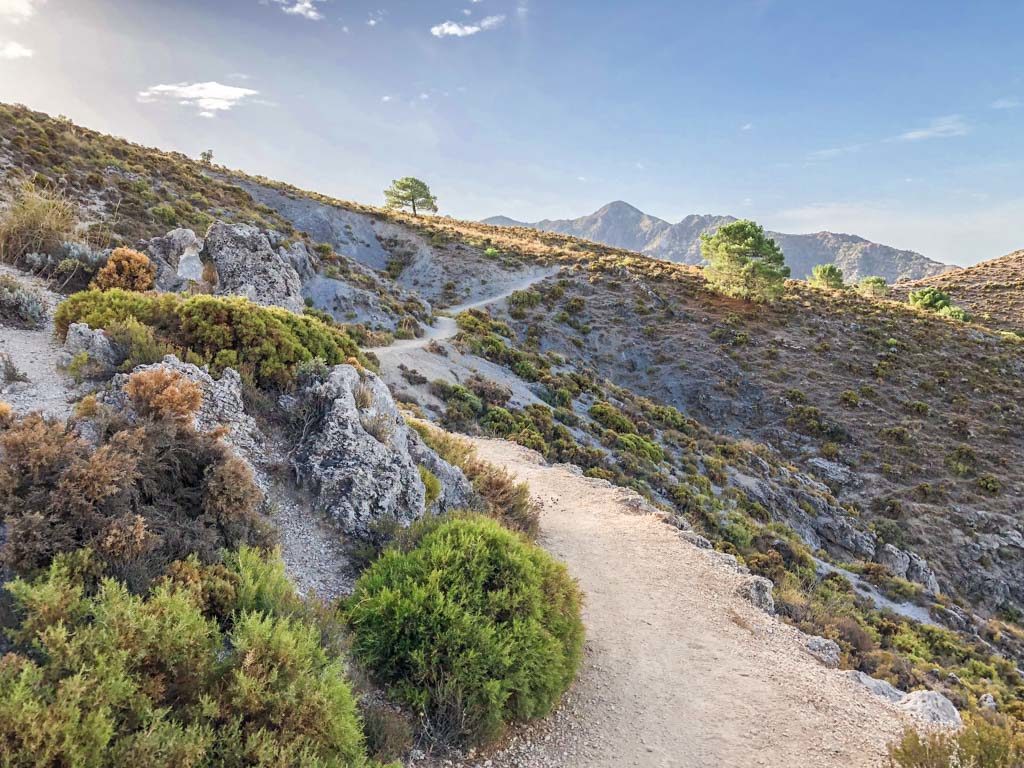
{"points": [[361, 461], [931, 707], [758, 590], [248, 266], [91, 352]]}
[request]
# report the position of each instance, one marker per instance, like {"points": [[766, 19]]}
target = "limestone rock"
{"points": [[176, 256], [833, 472], [356, 459], [825, 651], [222, 405], [931, 707], [877, 687], [103, 357], [248, 266], [987, 701], [758, 590]]}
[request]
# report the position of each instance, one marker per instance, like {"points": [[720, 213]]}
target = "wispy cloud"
{"points": [[455, 29], [833, 152], [940, 128], [747, 127], [209, 98], [1006, 103], [11, 50], [17, 11], [307, 9]]}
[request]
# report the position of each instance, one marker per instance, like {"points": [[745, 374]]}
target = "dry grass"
{"points": [[38, 221]]}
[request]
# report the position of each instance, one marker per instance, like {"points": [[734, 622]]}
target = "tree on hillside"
{"points": [[826, 276], [743, 262], [411, 193], [206, 157], [873, 287]]}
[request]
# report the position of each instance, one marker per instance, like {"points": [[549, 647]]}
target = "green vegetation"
{"points": [[265, 344], [743, 262], [409, 192], [472, 626], [873, 287], [934, 300], [193, 672], [827, 276], [986, 741]]}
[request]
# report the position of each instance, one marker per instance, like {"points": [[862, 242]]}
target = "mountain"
{"points": [[623, 226]]}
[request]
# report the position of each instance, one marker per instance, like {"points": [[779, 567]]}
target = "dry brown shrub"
{"points": [[163, 394], [128, 270], [6, 415]]}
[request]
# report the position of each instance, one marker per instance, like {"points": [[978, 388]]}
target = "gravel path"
{"points": [[34, 353], [679, 671]]}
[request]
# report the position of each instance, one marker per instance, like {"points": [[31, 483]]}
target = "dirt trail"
{"points": [[34, 353], [679, 670], [444, 326]]}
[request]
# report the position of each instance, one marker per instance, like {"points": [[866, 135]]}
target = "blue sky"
{"points": [[901, 122]]}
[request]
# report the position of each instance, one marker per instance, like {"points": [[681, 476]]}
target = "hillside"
{"points": [[846, 463], [621, 225], [992, 291]]}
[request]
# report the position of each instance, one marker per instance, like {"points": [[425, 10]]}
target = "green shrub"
{"points": [[986, 741], [432, 485], [826, 276], [929, 298], [266, 343], [955, 313], [873, 287], [20, 305], [610, 417], [640, 447], [104, 677], [474, 627]]}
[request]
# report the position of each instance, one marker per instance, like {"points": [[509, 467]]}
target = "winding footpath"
{"points": [[679, 670]]}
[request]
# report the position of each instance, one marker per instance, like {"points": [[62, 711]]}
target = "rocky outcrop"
{"points": [[824, 650], [931, 707], [176, 256], [758, 590], [248, 266], [360, 460], [876, 686], [91, 353], [222, 406]]}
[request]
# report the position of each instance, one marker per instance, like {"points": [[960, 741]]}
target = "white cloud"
{"points": [[11, 50], [834, 152], [939, 128], [209, 98], [747, 127], [1007, 103], [17, 11], [305, 8], [386, 99], [455, 29]]}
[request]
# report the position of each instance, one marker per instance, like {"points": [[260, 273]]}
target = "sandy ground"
{"points": [[680, 671], [34, 353]]}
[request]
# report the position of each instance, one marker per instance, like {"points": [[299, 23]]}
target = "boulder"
{"points": [[248, 266], [987, 701], [758, 590], [176, 256], [824, 650], [102, 359], [832, 472], [931, 707], [875, 686], [361, 461]]}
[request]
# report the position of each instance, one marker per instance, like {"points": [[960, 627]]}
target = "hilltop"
{"points": [[622, 225]]}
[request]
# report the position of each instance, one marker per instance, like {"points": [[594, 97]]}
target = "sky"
{"points": [[901, 122]]}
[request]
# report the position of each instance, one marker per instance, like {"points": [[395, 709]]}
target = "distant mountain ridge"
{"points": [[622, 225]]}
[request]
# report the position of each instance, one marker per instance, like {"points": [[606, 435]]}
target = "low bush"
{"points": [[873, 287], [20, 305], [474, 627], [126, 269], [100, 676], [37, 222], [986, 741], [148, 494], [266, 344]]}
